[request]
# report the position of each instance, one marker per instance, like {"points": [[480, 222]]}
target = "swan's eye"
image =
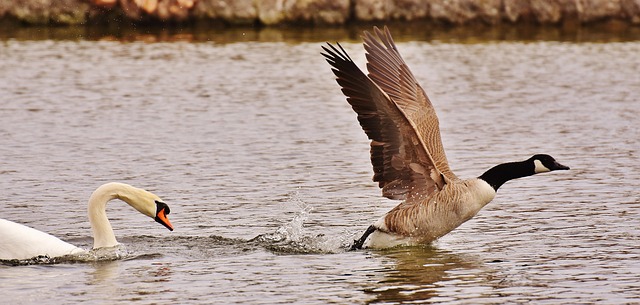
{"points": [[162, 206]]}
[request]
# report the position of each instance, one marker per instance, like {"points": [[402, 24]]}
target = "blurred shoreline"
{"points": [[310, 13]]}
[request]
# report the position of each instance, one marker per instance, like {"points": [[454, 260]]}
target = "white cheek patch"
{"points": [[539, 167]]}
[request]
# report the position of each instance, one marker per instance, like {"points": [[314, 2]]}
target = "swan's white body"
{"points": [[18, 241], [21, 242]]}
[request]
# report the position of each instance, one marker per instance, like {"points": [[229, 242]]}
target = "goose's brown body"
{"points": [[422, 221]]}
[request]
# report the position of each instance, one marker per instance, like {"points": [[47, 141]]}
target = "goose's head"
{"points": [[146, 203], [545, 163], [501, 173]]}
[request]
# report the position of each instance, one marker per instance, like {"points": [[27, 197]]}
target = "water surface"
{"points": [[254, 138]]}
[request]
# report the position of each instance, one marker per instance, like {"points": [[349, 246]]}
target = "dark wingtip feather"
{"points": [[335, 53]]}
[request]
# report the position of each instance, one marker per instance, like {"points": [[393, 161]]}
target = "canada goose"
{"points": [[18, 241], [408, 159]]}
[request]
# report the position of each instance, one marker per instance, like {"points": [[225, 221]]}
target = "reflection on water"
{"points": [[600, 32], [104, 271], [251, 139], [418, 273]]}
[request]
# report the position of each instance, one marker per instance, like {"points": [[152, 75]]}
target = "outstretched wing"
{"points": [[389, 71], [401, 163]]}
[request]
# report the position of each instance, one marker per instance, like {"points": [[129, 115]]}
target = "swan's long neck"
{"points": [[103, 235]]}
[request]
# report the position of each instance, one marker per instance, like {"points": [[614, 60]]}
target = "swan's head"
{"points": [[545, 163], [144, 201], [162, 210]]}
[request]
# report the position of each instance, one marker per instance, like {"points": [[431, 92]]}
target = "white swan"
{"points": [[407, 155], [21, 242]]}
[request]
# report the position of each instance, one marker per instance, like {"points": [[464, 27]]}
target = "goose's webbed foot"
{"points": [[358, 243]]}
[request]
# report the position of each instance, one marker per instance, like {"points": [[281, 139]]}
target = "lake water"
{"points": [[251, 137]]}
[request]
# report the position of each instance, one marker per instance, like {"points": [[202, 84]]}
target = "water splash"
{"points": [[293, 238], [289, 239], [94, 255], [36, 260], [294, 230]]}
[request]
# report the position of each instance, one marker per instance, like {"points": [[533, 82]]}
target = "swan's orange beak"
{"points": [[161, 217], [162, 210]]}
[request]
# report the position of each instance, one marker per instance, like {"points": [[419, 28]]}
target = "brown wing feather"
{"points": [[389, 71], [402, 167]]}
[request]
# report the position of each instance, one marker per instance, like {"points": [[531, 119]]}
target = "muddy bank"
{"points": [[312, 12]]}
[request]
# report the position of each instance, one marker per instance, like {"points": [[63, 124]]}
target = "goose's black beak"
{"points": [[558, 166], [162, 211]]}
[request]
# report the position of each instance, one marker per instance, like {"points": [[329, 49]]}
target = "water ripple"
{"points": [[255, 139]]}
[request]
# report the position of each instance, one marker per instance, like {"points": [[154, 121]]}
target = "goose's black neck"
{"points": [[501, 173]]}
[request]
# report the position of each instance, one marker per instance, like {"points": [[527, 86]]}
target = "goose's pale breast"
{"points": [[427, 220]]}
